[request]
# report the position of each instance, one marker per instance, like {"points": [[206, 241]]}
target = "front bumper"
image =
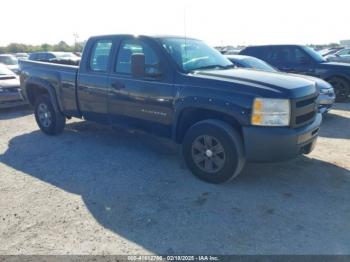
{"points": [[323, 109], [11, 99], [269, 144]]}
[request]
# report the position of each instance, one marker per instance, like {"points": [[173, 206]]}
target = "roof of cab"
{"points": [[147, 36], [276, 45]]}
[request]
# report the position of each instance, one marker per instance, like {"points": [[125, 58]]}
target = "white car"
{"points": [[342, 56], [10, 94], [11, 62]]}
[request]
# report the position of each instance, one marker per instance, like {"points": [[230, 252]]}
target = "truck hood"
{"points": [[337, 65], [293, 86], [321, 84]]}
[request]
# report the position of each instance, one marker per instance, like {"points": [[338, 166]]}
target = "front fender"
{"points": [[240, 114], [331, 74]]}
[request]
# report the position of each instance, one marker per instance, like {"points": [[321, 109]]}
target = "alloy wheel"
{"points": [[208, 154], [44, 115]]}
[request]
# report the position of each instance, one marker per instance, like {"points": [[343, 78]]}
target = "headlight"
{"points": [[271, 112], [325, 91]]}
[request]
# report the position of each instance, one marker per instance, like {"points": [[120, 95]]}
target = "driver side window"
{"points": [[300, 56], [130, 47], [288, 55]]}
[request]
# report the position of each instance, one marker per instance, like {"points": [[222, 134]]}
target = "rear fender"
{"points": [[49, 88]]}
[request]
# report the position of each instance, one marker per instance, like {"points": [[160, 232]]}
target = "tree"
{"points": [[16, 48], [62, 46], [46, 47]]}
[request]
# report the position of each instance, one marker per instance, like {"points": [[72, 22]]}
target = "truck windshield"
{"points": [[316, 56], [190, 54]]}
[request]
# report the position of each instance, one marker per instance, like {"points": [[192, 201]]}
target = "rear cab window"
{"points": [[100, 54]]}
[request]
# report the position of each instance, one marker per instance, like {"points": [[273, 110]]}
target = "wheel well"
{"points": [[338, 76], [190, 116], [33, 91]]}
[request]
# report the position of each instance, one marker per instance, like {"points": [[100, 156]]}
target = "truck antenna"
{"points": [[185, 30]]}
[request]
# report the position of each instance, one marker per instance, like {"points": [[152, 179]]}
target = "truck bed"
{"points": [[61, 78], [47, 65]]}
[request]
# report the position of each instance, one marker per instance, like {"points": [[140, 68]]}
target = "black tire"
{"points": [[225, 166], [341, 88], [49, 121]]}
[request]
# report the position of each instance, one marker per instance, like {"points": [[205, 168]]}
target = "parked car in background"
{"points": [[304, 60], [21, 55], [9, 89], [66, 58], [184, 90], [228, 50], [342, 56], [232, 51], [10, 61], [329, 51], [326, 97]]}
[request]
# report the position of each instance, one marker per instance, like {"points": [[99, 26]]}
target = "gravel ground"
{"points": [[93, 190]]}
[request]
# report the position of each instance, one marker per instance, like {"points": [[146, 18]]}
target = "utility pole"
{"points": [[76, 37]]}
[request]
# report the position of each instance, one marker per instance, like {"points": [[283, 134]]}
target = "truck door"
{"points": [[281, 58], [291, 59], [92, 81], [146, 103], [305, 63]]}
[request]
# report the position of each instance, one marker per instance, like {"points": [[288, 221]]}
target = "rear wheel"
{"points": [[213, 151], [49, 121], [341, 88]]}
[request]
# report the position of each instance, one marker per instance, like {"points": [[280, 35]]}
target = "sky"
{"points": [[219, 22]]}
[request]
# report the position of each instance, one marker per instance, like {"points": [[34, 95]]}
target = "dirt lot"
{"points": [[92, 190]]}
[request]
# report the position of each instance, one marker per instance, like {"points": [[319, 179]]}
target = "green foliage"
{"points": [[23, 48]]}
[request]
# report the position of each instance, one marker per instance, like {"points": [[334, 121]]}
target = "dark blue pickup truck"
{"points": [[182, 89], [304, 60]]}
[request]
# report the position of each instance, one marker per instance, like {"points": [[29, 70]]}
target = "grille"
{"points": [[10, 90], [304, 110]]}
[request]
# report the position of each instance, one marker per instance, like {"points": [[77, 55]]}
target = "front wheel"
{"points": [[49, 121], [213, 151], [341, 88]]}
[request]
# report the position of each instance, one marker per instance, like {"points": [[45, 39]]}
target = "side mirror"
{"points": [[139, 69], [138, 65]]}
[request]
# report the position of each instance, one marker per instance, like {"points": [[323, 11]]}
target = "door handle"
{"points": [[117, 85]]}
